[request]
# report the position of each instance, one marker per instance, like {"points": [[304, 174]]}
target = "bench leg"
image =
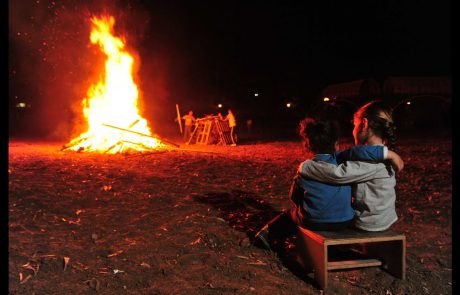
{"points": [[314, 254], [392, 254]]}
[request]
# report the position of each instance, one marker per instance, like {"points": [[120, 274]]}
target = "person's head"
{"points": [[319, 136], [229, 111], [190, 113], [374, 121]]}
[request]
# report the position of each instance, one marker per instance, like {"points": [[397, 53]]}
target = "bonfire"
{"points": [[111, 106]]}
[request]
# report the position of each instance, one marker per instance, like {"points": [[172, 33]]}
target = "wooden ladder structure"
{"points": [[224, 132], [211, 130], [201, 132]]}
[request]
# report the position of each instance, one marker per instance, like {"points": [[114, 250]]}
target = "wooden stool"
{"points": [[386, 249]]}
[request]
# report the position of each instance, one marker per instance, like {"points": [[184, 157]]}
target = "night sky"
{"points": [[199, 53]]}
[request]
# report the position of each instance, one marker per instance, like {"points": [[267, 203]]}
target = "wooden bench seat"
{"points": [[385, 249]]}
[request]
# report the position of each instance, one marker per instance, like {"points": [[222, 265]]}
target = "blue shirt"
{"points": [[330, 203]]}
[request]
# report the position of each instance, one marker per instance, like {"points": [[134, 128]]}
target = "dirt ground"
{"points": [[182, 222]]}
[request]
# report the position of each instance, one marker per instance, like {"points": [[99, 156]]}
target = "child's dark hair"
{"points": [[319, 136], [380, 120]]}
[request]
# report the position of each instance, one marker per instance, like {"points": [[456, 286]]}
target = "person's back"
{"points": [[374, 183], [374, 212], [325, 202], [319, 205], [232, 124], [373, 189], [231, 119], [375, 199]]}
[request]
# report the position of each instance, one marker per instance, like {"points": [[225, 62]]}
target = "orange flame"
{"points": [[111, 105]]}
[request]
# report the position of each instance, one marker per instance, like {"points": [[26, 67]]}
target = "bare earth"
{"points": [[182, 222]]}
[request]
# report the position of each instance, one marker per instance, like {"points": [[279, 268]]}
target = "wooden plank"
{"points": [[311, 234], [71, 144], [353, 264], [207, 127], [351, 236], [356, 233], [141, 134], [179, 118], [194, 134], [362, 240]]}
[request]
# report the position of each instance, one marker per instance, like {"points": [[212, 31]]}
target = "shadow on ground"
{"points": [[247, 212]]}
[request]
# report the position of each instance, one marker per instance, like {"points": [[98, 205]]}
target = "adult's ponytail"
{"points": [[380, 121]]}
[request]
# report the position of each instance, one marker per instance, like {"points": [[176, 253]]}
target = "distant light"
{"points": [[256, 94], [21, 105], [326, 99], [408, 102], [219, 105], [288, 105]]}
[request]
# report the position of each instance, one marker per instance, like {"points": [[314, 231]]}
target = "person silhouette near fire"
{"points": [[189, 120], [232, 124]]}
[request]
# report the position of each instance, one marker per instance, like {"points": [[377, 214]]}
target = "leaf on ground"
{"points": [[25, 280], [145, 264], [257, 262], [196, 241], [66, 262], [115, 253]]}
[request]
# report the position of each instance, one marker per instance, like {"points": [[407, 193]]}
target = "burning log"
{"points": [[133, 123], [135, 143], [65, 147], [142, 134], [179, 118], [111, 147]]}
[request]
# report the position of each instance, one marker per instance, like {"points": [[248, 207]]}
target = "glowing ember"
{"points": [[111, 105]]}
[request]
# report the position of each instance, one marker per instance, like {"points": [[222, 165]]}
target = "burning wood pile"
{"points": [[123, 139], [110, 108]]}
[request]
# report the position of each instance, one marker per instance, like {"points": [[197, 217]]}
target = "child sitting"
{"points": [[318, 205]]}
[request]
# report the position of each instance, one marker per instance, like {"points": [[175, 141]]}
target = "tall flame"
{"points": [[110, 107]]}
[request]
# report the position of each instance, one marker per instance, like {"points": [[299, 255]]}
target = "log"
{"points": [[179, 118], [133, 123], [114, 145], [142, 134], [75, 143]]}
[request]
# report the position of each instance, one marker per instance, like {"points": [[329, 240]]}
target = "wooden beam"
{"points": [[141, 134], [353, 264]]}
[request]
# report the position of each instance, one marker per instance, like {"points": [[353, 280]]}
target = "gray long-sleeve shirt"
{"points": [[373, 186]]}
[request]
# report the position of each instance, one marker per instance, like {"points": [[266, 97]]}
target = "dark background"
{"points": [[201, 53]]}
